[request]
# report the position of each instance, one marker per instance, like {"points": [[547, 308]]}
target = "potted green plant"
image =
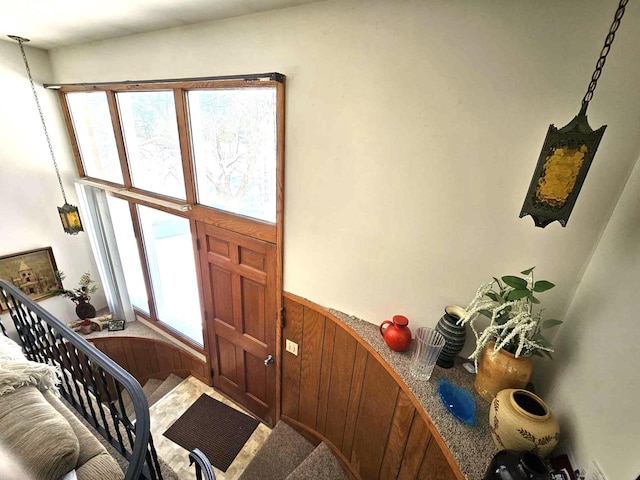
{"points": [[80, 295], [504, 348]]}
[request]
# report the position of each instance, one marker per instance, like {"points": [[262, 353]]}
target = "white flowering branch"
{"points": [[513, 325]]}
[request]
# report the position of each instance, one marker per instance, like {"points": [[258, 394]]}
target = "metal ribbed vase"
{"points": [[453, 334]]}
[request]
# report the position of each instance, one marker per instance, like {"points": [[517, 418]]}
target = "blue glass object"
{"points": [[458, 401]]}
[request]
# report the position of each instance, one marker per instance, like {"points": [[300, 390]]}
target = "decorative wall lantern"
{"points": [[69, 215], [70, 218], [567, 154]]}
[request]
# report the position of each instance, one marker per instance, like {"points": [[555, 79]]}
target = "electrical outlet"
{"points": [[595, 472], [291, 347]]}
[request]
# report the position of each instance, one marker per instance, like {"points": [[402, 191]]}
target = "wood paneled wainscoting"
{"points": [[339, 390], [146, 358]]}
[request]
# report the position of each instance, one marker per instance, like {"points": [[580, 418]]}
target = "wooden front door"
{"points": [[239, 286]]}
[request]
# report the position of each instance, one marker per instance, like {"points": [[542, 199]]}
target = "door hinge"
{"points": [[282, 317], [198, 244], [206, 315]]}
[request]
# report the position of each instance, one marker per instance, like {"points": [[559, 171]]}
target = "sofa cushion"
{"points": [[93, 457], [102, 467], [33, 431]]}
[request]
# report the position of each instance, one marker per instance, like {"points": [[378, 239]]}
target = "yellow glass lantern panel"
{"points": [[63, 219], [559, 175], [74, 220]]}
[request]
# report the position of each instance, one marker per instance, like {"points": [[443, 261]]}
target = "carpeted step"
{"points": [[151, 386], [321, 464], [171, 382], [149, 389], [280, 454]]}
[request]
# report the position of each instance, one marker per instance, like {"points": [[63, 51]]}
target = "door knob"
{"points": [[269, 360]]}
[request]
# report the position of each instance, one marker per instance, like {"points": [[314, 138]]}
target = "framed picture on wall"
{"points": [[33, 272]]}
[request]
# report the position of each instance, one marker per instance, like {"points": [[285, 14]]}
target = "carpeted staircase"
{"points": [[154, 390], [286, 455]]}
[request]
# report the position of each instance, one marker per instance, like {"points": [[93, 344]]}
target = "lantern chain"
{"points": [[603, 55], [44, 125]]}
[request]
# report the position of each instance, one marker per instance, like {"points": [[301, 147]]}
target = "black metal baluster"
{"points": [[122, 415], [23, 330], [31, 332], [46, 348], [70, 375], [3, 296], [42, 340], [129, 427], [98, 396], [154, 455], [74, 378], [112, 408], [149, 464], [55, 351], [83, 380]]}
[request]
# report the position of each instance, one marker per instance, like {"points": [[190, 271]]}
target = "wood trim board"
{"points": [[148, 358]]}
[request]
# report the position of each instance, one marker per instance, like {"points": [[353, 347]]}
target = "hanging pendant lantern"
{"points": [[69, 214], [70, 218], [567, 154]]}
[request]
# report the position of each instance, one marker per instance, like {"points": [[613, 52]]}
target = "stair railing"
{"points": [[204, 470], [92, 383]]}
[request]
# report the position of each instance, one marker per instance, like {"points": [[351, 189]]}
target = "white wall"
{"points": [[593, 385], [29, 192], [412, 132]]}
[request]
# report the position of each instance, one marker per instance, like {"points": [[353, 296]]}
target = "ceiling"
{"points": [[49, 24]]}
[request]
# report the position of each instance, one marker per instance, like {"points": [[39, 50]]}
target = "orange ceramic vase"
{"points": [[500, 371]]}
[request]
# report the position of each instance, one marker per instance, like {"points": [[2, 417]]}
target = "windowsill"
{"points": [[143, 329], [173, 338], [132, 329]]}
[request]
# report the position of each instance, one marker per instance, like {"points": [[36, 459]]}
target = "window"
{"points": [[94, 133], [167, 240], [168, 154], [129, 253], [234, 150], [151, 137]]}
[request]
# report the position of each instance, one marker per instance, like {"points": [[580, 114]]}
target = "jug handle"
{"points": [[386, 322]]}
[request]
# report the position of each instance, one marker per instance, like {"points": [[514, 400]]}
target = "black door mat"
{"points": [[215, 428]]}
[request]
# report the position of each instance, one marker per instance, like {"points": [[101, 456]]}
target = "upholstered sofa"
{"points": [[39, 435]]}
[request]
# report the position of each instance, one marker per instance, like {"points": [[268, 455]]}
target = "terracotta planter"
{"points": [[500, 371], [85, 329], [520, 420]]}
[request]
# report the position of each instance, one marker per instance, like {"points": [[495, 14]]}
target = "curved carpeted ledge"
{"points": [[465, 449]]}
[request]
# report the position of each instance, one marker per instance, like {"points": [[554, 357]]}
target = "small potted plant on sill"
{"points": [[504, 348], [85, 326], [80, 296]]}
